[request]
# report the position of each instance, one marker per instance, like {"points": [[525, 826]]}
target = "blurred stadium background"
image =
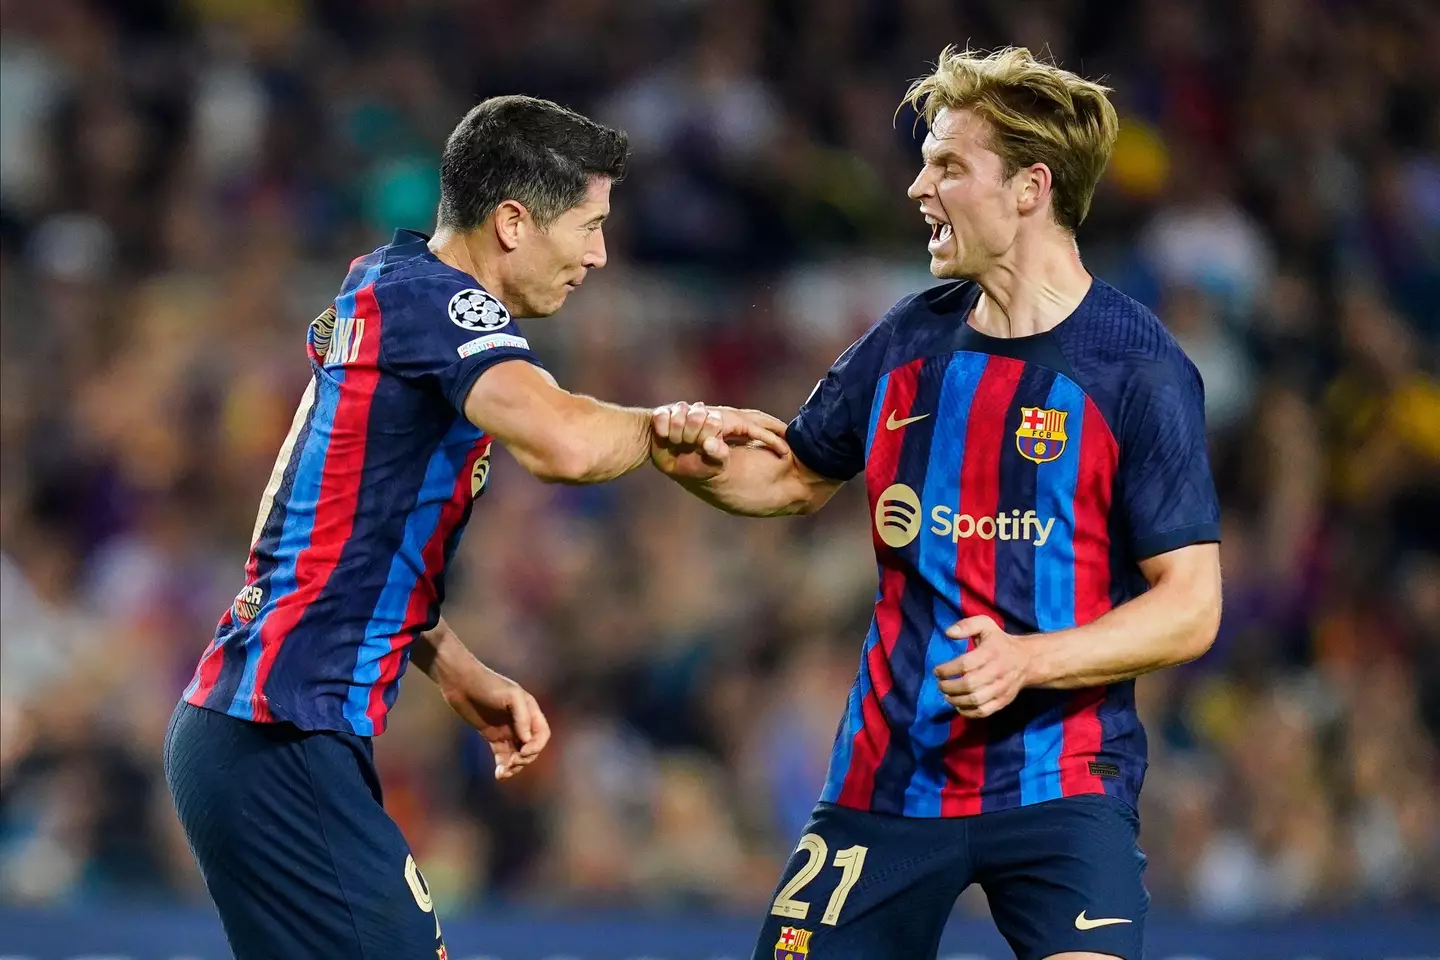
{"points": [[183, 184]]}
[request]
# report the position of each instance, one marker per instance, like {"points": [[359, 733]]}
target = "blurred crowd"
{"points": [[184, 183]]}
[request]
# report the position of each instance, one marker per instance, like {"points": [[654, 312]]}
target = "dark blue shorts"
{"points": [[297, 851], [1063, 875]]}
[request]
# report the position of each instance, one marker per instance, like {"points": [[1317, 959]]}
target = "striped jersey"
{"points": [[1021, 479], [370, 493]]}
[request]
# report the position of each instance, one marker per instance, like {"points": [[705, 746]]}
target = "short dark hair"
{"points": [[525, 149]]}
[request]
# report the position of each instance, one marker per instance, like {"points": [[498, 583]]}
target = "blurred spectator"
{"points": [[181, 185]]}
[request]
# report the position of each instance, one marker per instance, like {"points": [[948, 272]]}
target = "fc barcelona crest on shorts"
{"points": [[1041, 435], [794, 944]]}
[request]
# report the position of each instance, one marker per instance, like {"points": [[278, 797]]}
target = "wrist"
{"points": [[447, 659], [1039, 668]]}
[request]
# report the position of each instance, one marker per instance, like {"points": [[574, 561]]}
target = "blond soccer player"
{"points": [[1045, 527]]}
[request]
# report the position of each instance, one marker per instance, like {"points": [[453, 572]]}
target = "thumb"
{"points": [[716, 450], [971, 627], [504, 756]]}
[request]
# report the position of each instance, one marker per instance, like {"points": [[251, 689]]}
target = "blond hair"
{"points": [[1038, 114]]}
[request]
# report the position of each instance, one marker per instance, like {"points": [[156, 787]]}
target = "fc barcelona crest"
{"points": [[1041, 435], [794, 944]]}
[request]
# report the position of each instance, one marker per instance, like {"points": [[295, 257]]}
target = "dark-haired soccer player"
{"points": [[1033, 444], [416, 368]]}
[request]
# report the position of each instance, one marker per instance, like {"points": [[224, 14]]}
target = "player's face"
{"points": [[561, 255], [970, 206]]}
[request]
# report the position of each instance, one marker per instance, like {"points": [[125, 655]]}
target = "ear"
{"points": [[1032, 187], [510, 219]]}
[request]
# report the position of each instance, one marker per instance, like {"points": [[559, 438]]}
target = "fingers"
{"points": [[504, 758], [967, 663], [765, 420], [679, 417], [971, 627], [520, 716], [533, 736], [539, 729], [692, 425], [760, 434]]}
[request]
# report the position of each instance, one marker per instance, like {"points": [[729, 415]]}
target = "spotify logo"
{"points": [[897, 515]]}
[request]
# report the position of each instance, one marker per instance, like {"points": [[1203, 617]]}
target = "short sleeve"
{"points": [[447, 329], [1166, 488], [828, 434]]}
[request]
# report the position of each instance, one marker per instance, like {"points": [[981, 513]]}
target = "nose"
{"points": [[921, 187], [595, 256]]}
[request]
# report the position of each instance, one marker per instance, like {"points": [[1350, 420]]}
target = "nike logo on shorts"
{"points": [[1083, 922]]}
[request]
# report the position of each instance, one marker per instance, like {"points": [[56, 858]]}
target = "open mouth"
{"points": [[940, 232]]}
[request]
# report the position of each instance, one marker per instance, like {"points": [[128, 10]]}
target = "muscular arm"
{"points": [[757, 483], [558, 436], [1173, 622]]}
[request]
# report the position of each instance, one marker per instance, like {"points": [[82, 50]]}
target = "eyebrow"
{"points": [[940, 154]]}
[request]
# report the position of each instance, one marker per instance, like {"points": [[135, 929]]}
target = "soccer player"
{"points": [[1045, 525], [417, 367]]}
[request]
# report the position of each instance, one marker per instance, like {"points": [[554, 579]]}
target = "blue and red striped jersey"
{"points": [[1022, 479], [370, 493]]}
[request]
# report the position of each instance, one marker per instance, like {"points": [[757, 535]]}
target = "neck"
{"points": [[1032, 288], [464, 251]]}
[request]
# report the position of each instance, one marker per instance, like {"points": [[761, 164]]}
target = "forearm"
{"points": [[1168, 625], [757, 483], [602, 441], [441, 655], [557, 436]]}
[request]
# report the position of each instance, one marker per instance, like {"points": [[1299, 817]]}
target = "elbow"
{"points": [[1203, 626], [563, 462]]}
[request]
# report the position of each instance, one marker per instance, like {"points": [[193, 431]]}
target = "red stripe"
{"points": [[1094, 487], [339, 492], [872, 740], [422, 597], [209, 672], [975, 566]]}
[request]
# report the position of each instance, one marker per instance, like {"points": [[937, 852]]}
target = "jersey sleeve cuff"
{"points": [[470, 371], [1158, 543], [811, 456]]}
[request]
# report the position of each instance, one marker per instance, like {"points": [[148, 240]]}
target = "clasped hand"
{"points": [[691, 441]]}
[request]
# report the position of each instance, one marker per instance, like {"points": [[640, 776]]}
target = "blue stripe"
{"points": [[300, 508], [844, 750], [1054, 586], [877, 404], [406, 568], [931, 727]]}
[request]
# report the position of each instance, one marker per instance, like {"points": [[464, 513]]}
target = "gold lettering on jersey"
{"points": [[345, 341], [479, 474], [321, 329]]}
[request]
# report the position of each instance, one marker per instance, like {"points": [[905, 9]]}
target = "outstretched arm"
{"points": [[563, 437], [753, 480]]}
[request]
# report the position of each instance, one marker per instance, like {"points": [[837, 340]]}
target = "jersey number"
{"points": [[851, 861], [420, 889]]}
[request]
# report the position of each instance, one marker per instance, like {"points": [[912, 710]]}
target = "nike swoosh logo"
{"points": [[893, 424], [1084, 923]]}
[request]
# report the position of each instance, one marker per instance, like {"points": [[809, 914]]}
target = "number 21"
{"points": [[850, 860]]}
